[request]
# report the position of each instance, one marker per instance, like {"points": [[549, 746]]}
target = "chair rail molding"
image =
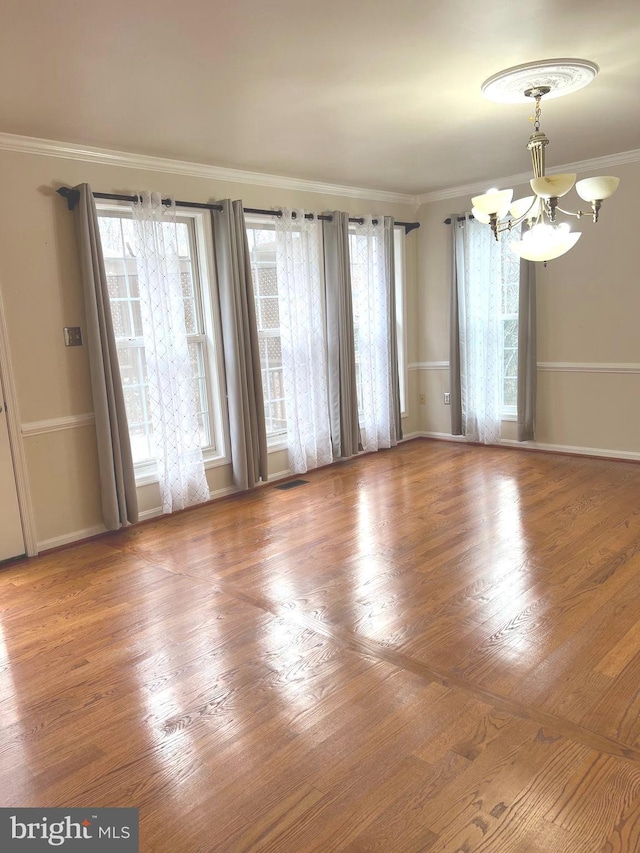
{"points": [[428, 365], [552, 366], [588, 367], [57, 424]]}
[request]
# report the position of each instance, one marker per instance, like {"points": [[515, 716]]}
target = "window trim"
{"points": [[201, 244]]}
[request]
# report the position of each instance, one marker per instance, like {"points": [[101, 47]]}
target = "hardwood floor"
{"points": [[435, 648]]}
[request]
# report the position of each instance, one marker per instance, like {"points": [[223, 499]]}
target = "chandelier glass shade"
{"points": [[545, 238]]}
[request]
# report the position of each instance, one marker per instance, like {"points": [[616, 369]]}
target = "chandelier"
{"points": [[545, 239]]}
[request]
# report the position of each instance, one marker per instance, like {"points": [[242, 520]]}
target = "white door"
{"points": [[11, 538]]}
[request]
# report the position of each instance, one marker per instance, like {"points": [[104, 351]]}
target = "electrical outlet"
{"points": [[423, 399], [72, 336], [447, 398]]}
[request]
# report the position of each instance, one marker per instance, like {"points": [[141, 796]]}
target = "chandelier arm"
{"points": [[513, 222], [578, 214]]}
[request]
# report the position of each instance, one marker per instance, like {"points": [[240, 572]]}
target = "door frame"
{"points": [[16, 441]]}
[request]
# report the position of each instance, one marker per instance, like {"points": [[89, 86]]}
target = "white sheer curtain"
{"points": [[303, 340], [481, 267], [372, 294], [172, 405]]}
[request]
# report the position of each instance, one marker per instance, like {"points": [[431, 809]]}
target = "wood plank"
{"points": [[429, 648]]}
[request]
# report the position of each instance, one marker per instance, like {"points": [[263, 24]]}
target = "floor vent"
{"points": [[292, 484]]}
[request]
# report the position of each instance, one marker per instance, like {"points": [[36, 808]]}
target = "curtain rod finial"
{"points": [[72, 196]]}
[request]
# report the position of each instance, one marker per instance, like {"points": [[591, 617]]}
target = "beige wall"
{"points": [[588, 310], [588, 320], [41, 294]]}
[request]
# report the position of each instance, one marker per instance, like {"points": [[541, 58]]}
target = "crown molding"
{"points": [[524, 178], [106, 156]]}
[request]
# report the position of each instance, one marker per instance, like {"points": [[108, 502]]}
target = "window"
{"points": [[118, 240], [262, 249], [367, 258], [358, 263], [510, 287]]}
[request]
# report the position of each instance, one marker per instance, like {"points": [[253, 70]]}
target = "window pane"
{"points": [[510, 363], [269, 313], [140, 443], [110, 236], [182, 235], [133, 396], [120, 319], [134, 384], [128, 361], [268, 281], [511, 333], [510, 392], [510, 299], [136, 316], [274, 348], [199, 389], [190, 320], [116, 282], [262, 248], [510, 286]]}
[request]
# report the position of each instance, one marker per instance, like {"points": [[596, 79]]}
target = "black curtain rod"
{"points": [[447, 221], [73, 196]]}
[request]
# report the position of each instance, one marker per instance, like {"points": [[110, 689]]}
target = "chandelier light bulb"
{"points": [[545, 242]]}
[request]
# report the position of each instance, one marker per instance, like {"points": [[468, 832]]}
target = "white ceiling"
{"points": [[366, 93]]}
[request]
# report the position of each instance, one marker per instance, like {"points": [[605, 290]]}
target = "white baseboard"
{"points": [[441, 436], [68, 538], [279, 475], [622, 455], [155, 512], [568, 449], [145, 515]]}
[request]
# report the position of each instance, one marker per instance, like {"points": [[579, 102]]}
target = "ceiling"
{"points": [[363, 93]]}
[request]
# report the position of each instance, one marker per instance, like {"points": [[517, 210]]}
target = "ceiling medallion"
{"points": [[543, 239], [560, 76]]}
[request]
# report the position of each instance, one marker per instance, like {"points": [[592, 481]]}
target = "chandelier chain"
{"points": [[536, 123]]}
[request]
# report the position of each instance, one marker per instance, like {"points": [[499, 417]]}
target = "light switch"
{"points": [[72, 336]]}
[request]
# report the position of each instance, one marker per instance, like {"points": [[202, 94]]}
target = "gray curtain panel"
{"points": [[117, 479], [457, 288], [241, 346], [527, 352], [343, 402], [389, 246]]}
